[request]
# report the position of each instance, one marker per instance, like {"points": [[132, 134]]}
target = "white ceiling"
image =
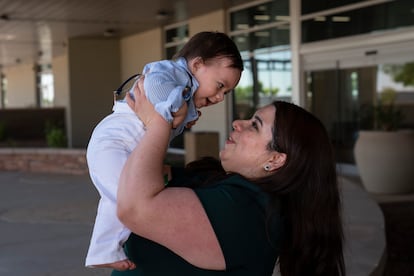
{"points": [[34, 30]]}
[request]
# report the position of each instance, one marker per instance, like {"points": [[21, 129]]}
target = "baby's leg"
{"points": [[111, 143]]}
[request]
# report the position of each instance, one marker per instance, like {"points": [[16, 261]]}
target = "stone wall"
{"points": [[70, 161]]}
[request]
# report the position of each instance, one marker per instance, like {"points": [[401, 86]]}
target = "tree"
{"points": [[401, 73]]}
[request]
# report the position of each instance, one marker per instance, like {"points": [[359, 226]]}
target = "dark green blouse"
{"points": [[237, 211]]}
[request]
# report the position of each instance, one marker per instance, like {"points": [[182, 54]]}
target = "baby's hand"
{"points": [[120, 265], [191, 123], [179, 116]]}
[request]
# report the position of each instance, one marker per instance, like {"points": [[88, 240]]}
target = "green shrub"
{"points": [[55, 135], [384, 115], [56, 138]]}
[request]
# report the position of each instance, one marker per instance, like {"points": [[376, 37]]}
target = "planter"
{"points": [[385, 160]]}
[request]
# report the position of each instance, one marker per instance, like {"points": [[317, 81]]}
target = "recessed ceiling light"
{"points": [[263, 17], [109, 33], [162, 15], [242, 26], [341, 18], [320, 18], [241, 39], [282, 18], [5, 17], [262, 34]]}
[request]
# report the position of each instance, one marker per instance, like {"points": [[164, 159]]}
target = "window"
{"points": [[348, 22], [262, 33], [45, 86], [175, 37]]}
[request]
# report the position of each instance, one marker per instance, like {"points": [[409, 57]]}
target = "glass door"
{"points": [[335, 96], [339, 97]]}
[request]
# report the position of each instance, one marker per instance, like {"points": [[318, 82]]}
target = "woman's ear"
{"points": [[277, 160]]}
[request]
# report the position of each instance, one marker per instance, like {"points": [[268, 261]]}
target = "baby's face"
{"points": [[216, 79]]}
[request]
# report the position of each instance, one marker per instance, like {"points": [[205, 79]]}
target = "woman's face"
{"points": [[216, 78], [245, 151]]}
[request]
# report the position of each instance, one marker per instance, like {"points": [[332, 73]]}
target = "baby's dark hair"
{"points": [[209, 45]]}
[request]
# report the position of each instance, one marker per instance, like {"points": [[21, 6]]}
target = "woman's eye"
{"points": [[254, 125]]}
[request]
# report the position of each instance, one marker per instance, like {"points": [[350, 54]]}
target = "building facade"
{"points": [[331, 57]]}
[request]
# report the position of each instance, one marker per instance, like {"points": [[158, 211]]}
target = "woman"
{"points": [[274, 196]]}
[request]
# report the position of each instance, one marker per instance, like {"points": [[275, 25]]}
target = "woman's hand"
{"points": [[145, 110], [141, 105]]}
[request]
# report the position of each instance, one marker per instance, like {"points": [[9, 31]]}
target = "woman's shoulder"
{"points": [[233, 190], [235, 204], [237, 182]]}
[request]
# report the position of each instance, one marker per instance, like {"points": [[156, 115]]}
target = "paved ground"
{"points": [[45, 224], [46, 221]]}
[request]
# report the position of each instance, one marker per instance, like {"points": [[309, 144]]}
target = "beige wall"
{"points": [[214, 21], [94, 70], [137, 50], [21, 86]]}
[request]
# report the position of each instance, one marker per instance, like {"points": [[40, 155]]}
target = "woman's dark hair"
{"points": [[308, 189], [209, 45]]}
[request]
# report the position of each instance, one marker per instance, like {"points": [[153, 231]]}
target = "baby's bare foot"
{"points": [[120, 265]]}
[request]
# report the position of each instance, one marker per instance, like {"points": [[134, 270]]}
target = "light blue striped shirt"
{"points": [[164, 84]]}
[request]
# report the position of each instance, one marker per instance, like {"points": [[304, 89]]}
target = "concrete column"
{"points": [[94, 73], [201, 144]]}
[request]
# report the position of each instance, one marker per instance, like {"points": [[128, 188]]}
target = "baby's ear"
{"points": [[195, 63]]}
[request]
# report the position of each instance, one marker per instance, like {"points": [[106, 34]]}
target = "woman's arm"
{"points": [[172, 217]]}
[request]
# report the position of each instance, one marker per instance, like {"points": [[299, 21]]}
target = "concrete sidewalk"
{"points": [[46, 221], [45, 224]]}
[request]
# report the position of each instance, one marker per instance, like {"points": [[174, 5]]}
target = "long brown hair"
{"points": [[308, 187]]}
